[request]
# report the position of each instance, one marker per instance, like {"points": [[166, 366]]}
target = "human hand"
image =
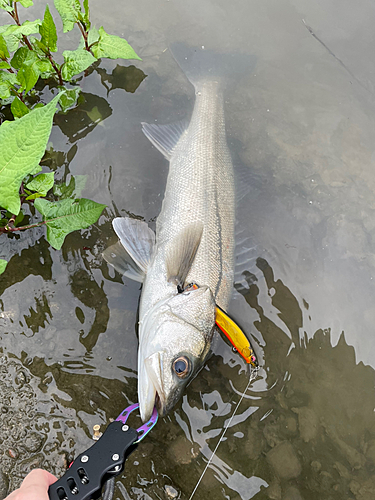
{"points": [[34, 486]]}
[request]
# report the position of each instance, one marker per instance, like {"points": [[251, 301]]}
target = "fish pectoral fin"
{"points": [[182, 252], [118, 258], [138, 241], [235, 336], [165, 137]]}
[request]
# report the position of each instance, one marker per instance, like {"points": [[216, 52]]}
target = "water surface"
{"points": [[301, 126]]}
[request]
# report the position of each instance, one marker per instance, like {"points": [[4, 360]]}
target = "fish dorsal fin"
{"points": [[117, 257], [137, 239], [165, 137], [235, 336], [181, 255]]}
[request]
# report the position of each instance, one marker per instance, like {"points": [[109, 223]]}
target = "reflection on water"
{"points": [[303, 129]]}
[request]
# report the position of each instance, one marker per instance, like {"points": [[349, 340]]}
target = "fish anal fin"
{"points": [[165, 137], [235, 336], [181, 255]]}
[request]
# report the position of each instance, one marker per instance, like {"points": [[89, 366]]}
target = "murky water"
{"points": [[302, 124]]}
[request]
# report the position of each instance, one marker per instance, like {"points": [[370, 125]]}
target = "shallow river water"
{"points": [[302, 125]]}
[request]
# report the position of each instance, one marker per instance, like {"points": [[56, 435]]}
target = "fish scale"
{"points": [[200, 187]]}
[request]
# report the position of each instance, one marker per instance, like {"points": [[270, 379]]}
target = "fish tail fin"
{"points": [[200, 64]]}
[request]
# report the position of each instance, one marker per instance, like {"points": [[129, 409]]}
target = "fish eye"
{"points": [[181, 366]]}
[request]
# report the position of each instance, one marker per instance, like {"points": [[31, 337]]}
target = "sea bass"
{"points": [[187, 268]]}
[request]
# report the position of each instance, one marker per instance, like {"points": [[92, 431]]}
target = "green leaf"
{"points": [[71, 190], [48, 31], [19, 218], [12, 40], [26, 3], [4, 53], [63, 217], [4, 4], [7, 82], [27, 28], [70, 13], [3, 265], [18, 108], [113, 46], [19, 57], [69, 98], [29, 72], [86, 17], [38, 46], [76, 61], [93, 36], [4, 65], [42, 183], [22, 145], [31, 69]]}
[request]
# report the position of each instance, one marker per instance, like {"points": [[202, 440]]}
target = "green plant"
{"points": [[27, 55]]}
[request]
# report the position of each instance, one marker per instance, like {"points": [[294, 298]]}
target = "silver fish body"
{"points": [[199, 191], [187, 267]]}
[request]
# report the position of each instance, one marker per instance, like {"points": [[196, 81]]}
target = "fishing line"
{"points": [[251, 378]]}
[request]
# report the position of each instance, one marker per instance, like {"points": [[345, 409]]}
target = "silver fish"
{"points": [[187, 269]]}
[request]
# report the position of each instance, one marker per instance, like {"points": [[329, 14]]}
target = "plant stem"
{"points": [[82, 28], [14, 15], [57, 70], [8, 229]]}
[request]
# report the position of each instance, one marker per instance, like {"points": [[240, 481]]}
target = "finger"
{"points": [[38, 477], [35, 485]]}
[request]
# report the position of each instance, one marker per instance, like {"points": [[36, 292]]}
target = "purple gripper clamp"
{"points": [[144, 429]]}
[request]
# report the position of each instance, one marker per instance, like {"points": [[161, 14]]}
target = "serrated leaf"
{"points": [[4, 53], [69, 99], [70, 13], [3, 265], [63, 217], [113, 47], [7, 81], [76, 61], [4, 65], [22, 145], [26, 3], [19, 108], [42, 183], [48, 32]]}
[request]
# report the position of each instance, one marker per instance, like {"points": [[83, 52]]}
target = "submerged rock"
{"points": [[292, 493], [170, 491], [307, 423], [284, 461]]}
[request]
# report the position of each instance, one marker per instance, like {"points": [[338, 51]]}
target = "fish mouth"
{"points": [[153, 366], [160, 405]]}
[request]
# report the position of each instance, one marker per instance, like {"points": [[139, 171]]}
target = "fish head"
{"points": [[174, 348]]}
